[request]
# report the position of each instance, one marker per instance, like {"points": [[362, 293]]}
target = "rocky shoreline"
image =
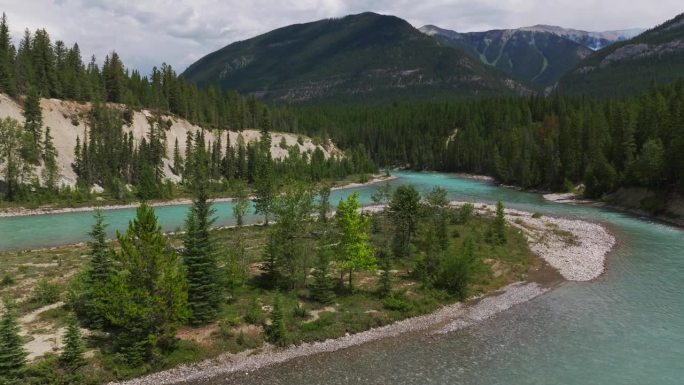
{"points": [[577, 249]]}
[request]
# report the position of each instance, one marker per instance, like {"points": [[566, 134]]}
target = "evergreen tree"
{"points": [[50, 172], [7, 84], [12, 353], [457, 270], [14, 167], [497, 230], [277, 331], [404, 211], [43, 61], [177, 159], [438, 203], [24, 73], [33, 126], [385, 264], [200, 257], [264, 189], [72, 355], [98, 274], [147, 295], [322, 288]]}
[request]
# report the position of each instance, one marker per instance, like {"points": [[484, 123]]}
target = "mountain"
{"points": [[359, 57], [592, 40], [630, 66], [538, 56]]}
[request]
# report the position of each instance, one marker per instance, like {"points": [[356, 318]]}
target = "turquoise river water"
{"points": [[627, 327]]}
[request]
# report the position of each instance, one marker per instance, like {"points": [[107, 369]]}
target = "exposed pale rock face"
{"points": [[67, 120]]}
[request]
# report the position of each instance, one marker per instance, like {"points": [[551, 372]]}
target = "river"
{"points": [[627, 327]]}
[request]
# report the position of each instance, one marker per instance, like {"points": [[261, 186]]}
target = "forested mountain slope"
{"points": [[630, 66], [366, 56], [542, 142], [538, 56]]}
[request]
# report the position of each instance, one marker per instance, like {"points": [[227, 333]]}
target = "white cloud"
{"points": [[149, 32]]}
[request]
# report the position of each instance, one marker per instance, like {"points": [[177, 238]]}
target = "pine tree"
{"points": [[147, 295], [90, 298], [33, 125], [24, 74], [188, 168], [12, 353], [43, 60], [7, 84], [50, 171], [100, 268], [72, 355], [200, 258], [497, 230]]}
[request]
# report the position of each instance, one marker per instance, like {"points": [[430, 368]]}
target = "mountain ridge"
{"points": [[367, 56], [537, 56], [630, 66]]}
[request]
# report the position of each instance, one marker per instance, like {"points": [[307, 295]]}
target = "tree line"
{"points": [[543, 142]]}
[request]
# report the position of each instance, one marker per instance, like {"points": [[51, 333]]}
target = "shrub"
{"points": [[7, 280], [465, 212], [300, 311], [397, 303], [253, 315], [45, 293], [456, 271]]}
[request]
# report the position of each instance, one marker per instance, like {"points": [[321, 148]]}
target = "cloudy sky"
{"points": [[148, 32]]}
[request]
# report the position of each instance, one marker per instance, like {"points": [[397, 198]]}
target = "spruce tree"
{"points": [[89, 296], [200, 257], [12, 353], [177, 159], [7, 84], [147, 295], [72, 354]]}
